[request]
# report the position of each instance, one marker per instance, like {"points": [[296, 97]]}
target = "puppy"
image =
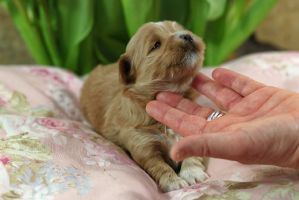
{"points": [[161, 56]]}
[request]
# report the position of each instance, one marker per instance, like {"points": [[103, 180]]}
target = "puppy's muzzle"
{"points": [[189, 43], [187, 38]]}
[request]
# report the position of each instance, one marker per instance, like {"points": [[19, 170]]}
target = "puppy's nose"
{"points": [[186, 37]]}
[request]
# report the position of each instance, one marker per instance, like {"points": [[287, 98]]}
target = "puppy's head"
{"points": [[162, 56]]}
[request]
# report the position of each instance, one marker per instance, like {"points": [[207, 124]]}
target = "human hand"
{"points": [[261, 124]]}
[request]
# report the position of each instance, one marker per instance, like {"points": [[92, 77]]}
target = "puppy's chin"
{"points": [[180, 88], [190, 60], [182, 71], [185, 66], [187, 57]]}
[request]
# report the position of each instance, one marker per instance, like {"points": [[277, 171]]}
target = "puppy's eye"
{"points": [[157, 45]]}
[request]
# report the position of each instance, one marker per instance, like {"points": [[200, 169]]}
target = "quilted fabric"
{"points": [[48, 151]]}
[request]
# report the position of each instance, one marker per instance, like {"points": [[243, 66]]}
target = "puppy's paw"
{"points": [[193, 174], [172, 183]]}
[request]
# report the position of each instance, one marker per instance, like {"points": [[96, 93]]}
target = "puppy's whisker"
{"points": [[172, 75]]}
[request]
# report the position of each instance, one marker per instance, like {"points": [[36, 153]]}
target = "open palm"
{"points": [[261, 124]]}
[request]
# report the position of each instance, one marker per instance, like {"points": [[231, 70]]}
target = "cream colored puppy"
{"points": [[161, 56]]}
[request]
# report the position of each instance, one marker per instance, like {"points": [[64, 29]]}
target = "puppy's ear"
{"points": [[126, 70]]}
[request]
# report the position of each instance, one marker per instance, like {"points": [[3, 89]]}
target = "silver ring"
{"points": [[214, 115]]}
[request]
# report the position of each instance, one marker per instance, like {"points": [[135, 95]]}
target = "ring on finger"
{"points": [[214, 115]]}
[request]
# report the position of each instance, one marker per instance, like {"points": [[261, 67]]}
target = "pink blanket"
{"points": [[47, 151]]}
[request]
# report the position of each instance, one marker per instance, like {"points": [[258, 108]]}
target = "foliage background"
{"points": [[77, 34]]}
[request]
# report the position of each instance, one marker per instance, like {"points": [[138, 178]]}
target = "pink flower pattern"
{"points": [[2, 102], [4, 159], [51, 123]]}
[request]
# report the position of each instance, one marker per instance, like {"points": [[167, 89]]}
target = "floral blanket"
{"points": [[48, 151]]}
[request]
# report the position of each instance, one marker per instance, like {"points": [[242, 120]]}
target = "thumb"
{"points": [[231, 146]]}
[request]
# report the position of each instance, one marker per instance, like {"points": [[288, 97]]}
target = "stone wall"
{"points": [[12, 48], [281, 27]]}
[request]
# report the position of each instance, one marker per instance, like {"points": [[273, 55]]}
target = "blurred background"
{"points": [[77, 34]]}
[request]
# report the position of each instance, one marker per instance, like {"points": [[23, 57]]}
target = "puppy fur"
{"points": [[161, 56]]}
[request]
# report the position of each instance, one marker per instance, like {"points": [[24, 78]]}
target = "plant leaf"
{"points": [[179, 10], [216, 8], [28, 29], [239, 20], [46, 15], [256, 10], [76, 20], [84, 33], [147, 11], [109, 27], [198, 16]]}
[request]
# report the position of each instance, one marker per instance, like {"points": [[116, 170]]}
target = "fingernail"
{"points": [[180, 155], [161, 96], [217, 73], [152, 109], [199, 80]]}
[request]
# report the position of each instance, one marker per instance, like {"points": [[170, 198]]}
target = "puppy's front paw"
{"points": [[192, 170], [172, 183], [193, 174]]}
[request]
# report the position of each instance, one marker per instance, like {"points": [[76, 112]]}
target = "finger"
{"points": [[183, 104], [225, 98], [237, 82], [231, 146], [177, 120]]}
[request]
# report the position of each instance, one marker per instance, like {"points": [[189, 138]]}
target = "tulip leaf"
{"points": [[79, 34]]}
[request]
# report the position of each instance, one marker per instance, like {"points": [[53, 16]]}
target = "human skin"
{"points": [[261, 124]]}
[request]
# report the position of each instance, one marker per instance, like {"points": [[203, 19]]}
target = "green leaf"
{"points": [[239, 20], [198, 16], [76, 20], [87, 58], [110, 19], [179, 10], [116, 48], [24, 22], [216, 8], [234, 13], [213, 37], [48, 32], [138, 12], [250, 19], [110, 31], [78, 34]]}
